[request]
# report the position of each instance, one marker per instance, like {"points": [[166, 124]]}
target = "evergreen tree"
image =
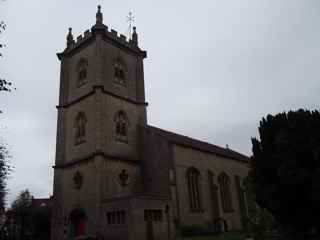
{"points": [[5, 86], [285, 171], [21, 209], [4, 172]]}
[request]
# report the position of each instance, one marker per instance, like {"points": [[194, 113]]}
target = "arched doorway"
{"points": [[78, 221]]}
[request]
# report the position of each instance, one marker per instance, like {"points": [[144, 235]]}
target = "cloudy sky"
{"points": [[214, 69]]}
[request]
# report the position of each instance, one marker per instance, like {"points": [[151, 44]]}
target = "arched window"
{"points": [[80, 128], [82, 70], [119, 72], [225, 192], [193, 181], [121, 126]]}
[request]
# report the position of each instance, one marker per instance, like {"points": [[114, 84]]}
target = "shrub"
{"points": [[192, 230]]}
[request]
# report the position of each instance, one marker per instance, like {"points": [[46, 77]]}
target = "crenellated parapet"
{"points": [[111, 35], [83, 37]]}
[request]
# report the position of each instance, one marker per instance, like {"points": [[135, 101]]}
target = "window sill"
{"points": [[79, 142], [121, 83], [122, 140], [79, 85], [228, 210], [196, 211], [117, 225]]}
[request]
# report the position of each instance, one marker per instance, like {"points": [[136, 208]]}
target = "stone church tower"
{"points": [[116, 177], [101, 103]]}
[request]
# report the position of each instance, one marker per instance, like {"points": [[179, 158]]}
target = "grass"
{"points": [[224, 236]]}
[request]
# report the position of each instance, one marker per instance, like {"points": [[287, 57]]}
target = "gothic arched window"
{"points": [[80, 128], [121, 126], [225, 192], [119, 72], [193, 181], [82, 71]]}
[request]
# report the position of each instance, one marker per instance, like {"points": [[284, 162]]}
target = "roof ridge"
{"points": [[199, 144]]}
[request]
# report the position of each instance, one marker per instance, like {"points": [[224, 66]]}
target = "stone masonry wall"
{"points": [[187, 157]]}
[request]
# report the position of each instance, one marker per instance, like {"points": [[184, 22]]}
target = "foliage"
{"points": [[5, 85], [198, 232], [285, 170], [86, 238], [4, 166], [22, 202], [21, 209], [3, 27], [222, 236], [41, 219], [260, 222], [192, 230], [4, 172], [33, 220]]}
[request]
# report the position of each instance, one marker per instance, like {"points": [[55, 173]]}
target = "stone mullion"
{"points": [[216, 207], [241, 199], [223, 197], [229, 195], [197, 185], [189, 190], [189, 179], [194, 190]]}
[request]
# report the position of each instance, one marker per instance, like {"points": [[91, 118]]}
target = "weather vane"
{"points": [[130, 19]]}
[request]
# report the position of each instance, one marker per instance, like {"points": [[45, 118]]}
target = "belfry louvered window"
{"points": [[80, 128], [119, 72], [82, 70], [121, 126]]}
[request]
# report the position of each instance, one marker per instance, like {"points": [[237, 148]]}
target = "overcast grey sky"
{"points": [[214, 69]]}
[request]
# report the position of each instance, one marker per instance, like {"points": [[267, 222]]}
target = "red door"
{"points": [[81, 227]]}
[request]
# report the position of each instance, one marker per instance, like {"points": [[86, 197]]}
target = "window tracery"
{"points": [[225, 192], [153, 215], [116, 217], [193, 181]]}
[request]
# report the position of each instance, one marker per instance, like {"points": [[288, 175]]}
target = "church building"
{"points": [[115, 176]]}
